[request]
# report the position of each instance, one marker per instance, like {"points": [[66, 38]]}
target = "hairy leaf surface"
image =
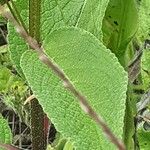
{"points": [[5, 133], [94, 70], [86, 14], [17, 45]]}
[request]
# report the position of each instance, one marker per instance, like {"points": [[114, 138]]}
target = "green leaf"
{"points": [[17, 45], [144, 138], [5, 132], [5, 76], [144, 20], [145, 70], [86, 14], [143, 34], [120, 25], [94, 70], [68, 146]]}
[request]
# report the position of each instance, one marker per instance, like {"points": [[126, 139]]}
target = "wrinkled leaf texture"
{"points": [[91, 67], [86, 14], [94, 70], [5, 132]]}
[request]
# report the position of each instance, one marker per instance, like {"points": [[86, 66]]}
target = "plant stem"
{"points": [[34, 18], [39, 140]]}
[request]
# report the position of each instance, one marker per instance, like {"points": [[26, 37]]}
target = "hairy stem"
{"points": [[39, 140]]}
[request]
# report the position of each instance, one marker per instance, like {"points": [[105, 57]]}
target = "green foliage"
{"points": [[17, 45], [55, 14], [12, 88], [5, 133], [146, 69], [60, 144], [3, 49], [144, 138], [119, 26], [143, 34], [85, 14], [144, 21], [92, 68], [86, 62], [5, 75]]}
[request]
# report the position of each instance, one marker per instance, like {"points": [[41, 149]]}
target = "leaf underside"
{"points": [[94, 70]]}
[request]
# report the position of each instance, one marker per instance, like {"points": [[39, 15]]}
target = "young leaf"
{"points": [[94, 71], [120, 25], [5, 133]]}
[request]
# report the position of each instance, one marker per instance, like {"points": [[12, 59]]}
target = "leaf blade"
{"points": [[5, 133], [73, 49]]}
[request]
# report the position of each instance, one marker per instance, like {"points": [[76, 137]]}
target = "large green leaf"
{"points": [[86, 14], [95, 71], [120, 25], [5, 133]]}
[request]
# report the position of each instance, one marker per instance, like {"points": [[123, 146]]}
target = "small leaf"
{"points": [[5, 75], [144, 138], [95, 71], [5, 133]]}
